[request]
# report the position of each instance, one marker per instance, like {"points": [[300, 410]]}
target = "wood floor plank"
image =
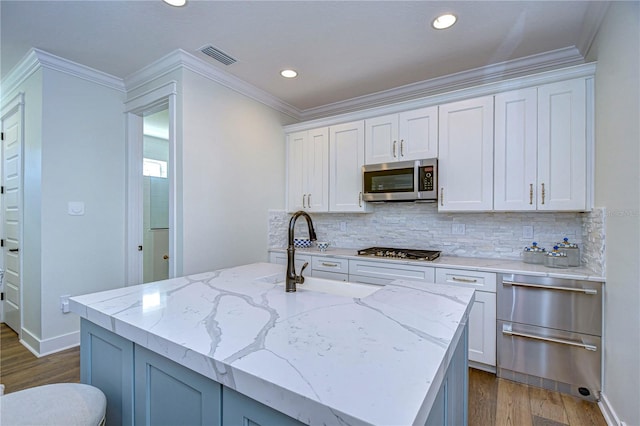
{"points": [[581, 412], [547, 404], [513, 408], [483, 392], [20, 369]]}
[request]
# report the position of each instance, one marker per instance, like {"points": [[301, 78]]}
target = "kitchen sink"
{"points": [[322, 285]]}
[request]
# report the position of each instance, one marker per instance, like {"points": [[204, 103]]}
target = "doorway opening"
{"points": [[151, 182], [155, 151]]}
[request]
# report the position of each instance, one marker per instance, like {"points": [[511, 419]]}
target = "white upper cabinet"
{"points": [[308, 168], [410, 135], [465, 155], [541, 148], [346, 149], [515, 149], [562, 146]]}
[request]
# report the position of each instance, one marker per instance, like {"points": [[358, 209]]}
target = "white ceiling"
{"points": [[342, 49]]}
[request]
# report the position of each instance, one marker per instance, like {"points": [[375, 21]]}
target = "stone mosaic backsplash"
{"points": [[419, 225]]}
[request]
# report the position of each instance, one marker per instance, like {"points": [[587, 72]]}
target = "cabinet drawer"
{"points": [[330, 264], [390, 271], [337, 276], [485, 281], [281, 259]]}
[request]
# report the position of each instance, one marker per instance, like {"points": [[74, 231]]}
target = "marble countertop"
{"points": [[503, 266], [317, 357]]}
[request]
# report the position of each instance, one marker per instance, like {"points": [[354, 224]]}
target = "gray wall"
{"points": [[616, 49]]}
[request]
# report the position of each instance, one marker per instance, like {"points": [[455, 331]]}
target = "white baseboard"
{"points": [[46, 347], [608, 412]]}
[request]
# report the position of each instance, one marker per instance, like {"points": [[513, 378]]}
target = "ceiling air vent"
{"points": [[218, 55]]}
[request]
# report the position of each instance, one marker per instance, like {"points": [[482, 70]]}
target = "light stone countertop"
{"points": [[502, 266], [317, 357]]}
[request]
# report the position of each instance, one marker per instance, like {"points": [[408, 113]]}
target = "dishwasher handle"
{"points": [[550, 287], [507, 331]]}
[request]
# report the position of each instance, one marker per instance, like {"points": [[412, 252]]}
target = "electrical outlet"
{"points": [[64, 303], [457, 229], [527, 232], [343, 226]]}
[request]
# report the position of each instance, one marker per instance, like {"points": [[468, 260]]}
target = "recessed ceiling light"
{"points": [[176, 3], [444, 21], [289, 73]]}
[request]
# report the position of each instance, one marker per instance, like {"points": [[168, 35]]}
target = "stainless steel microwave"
{"points": [[401, 181]]}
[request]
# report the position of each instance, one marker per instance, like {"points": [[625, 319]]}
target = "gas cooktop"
{"points": [[396, 253]]}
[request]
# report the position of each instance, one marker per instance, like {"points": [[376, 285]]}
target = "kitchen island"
{"points": [[230, 346]]}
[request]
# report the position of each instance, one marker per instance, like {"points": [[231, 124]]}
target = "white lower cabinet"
{"points": [[482, 319], [375, 272], [319, 266], [281, 259]]}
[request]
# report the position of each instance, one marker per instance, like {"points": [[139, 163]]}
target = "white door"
{"points": [[418, 130], [562, 146], [465, 155], [381, 139], [516, 146], [317, 170], [11, 168], [296, 197], [346, 158]]}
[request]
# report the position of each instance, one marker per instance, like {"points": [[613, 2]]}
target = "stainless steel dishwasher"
{"points": [[549, 333]]}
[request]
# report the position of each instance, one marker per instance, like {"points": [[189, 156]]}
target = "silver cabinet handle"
{"points": [[331, 265], [442, 196], [394, 148], [360, 199], [464, 280], [543, 193], [309, 201], [401, 147], [304, 197], [551, 287], [548, 339]]}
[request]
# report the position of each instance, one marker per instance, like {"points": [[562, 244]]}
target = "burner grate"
{"points": [[399, 253]]}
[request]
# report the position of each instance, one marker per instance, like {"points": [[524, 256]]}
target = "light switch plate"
{"points": [[76, 208]]}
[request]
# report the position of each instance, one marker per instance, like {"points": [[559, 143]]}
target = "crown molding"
{"points": [[37, 58], [182, 59], [554, 59], [529, 80], [23, 70]]}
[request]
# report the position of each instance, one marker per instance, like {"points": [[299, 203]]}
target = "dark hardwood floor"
{"points": [[492, 401]]}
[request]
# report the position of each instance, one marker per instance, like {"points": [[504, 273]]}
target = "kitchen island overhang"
{"points": [[316, 357]]}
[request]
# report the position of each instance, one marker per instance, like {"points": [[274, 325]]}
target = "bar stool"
{"points": [[58, 404]]}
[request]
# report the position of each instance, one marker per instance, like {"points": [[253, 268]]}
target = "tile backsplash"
{"points": [[418, 225]]}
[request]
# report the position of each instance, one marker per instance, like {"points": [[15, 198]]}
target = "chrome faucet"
{"points": [[292, 278]]}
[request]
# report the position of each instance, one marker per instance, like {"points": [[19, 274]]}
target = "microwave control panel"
{"points": [[427, 181]]}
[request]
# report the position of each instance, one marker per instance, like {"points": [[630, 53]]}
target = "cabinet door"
{"points": [[295, 170], [418, 130], [170, 394], [106, 362], [515, 150], [465, 155], [562, 147], [316, 169], [381, 139], [346, 150], [482, 329]]}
